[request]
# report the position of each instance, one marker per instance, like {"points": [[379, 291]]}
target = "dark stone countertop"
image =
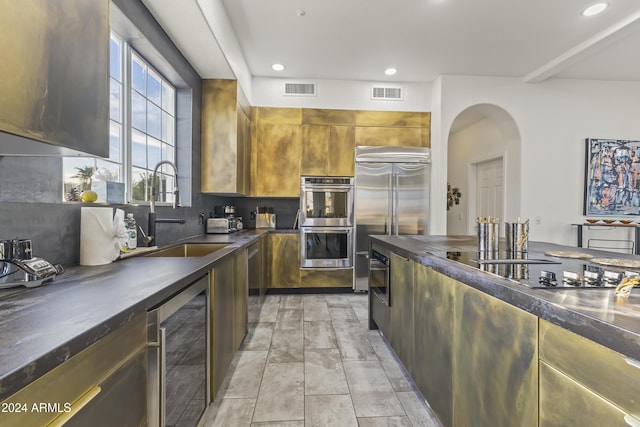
{"points": [[44, 326], [595, 314]]}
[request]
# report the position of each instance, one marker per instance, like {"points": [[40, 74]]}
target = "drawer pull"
{"points": [[76, 407], [632, 362], [631, 421]]}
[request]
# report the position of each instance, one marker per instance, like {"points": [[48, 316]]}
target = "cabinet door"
{"points": [[278, 165], [401, 303], [315, 149], [284, 254], [495, 362], [240, 301], [434, 327], [222, 321], [341, 153], [564, 402]]}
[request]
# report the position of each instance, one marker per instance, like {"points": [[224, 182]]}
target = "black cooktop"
{"points": [[544, 272]]}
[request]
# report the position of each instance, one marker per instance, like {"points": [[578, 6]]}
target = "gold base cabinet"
{"points": [[565, 402], [495, 380], [433, 300], [103, 385], [605, 383]]}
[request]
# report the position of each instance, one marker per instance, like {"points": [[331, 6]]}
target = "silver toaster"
{"points": [[221, 225]]}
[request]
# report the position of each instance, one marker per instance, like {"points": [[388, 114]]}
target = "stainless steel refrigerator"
{"points": [[391, 197]]}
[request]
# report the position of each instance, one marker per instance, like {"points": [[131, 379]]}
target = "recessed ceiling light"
{"points": [[300, 12], [595, 9], [277, 67], [390, 71]]}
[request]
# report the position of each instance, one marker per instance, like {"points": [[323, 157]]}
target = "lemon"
{"points": [[89, 196]]}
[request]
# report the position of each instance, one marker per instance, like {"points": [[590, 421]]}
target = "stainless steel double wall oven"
{"points": [[326, 222]]}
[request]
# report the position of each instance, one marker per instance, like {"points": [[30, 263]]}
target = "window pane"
{"points": [[77, 173], [138, 148], [115, 141], [169, 185], [154, 126], [108, 171], [115, 101], [168, 131], [138, 75], [139, 183], [138, 111], [115, 55], [153, 87], [153, 152], [168, 152], [168, 98]]}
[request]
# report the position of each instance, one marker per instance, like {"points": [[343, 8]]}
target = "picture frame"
{"points": [[612, 177]]}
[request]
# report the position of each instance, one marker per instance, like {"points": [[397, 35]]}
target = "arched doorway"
{"points": [[483, 162]]}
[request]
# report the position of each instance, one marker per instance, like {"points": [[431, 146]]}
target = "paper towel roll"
{"points": [[98, 243]]}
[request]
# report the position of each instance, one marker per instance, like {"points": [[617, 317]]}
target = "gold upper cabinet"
{"points": [[226, 137]]}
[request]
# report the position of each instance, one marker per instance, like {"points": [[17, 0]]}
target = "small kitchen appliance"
{"points": [[221, 225], [19, 268]]}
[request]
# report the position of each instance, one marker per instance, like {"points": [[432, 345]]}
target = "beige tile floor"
{"points": [[310, 360]]}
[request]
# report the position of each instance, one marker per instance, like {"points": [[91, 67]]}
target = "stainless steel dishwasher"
{"points": [[178, 356]]}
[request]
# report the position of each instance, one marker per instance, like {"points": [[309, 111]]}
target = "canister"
{"points": [[516, 238], [488, 236]]}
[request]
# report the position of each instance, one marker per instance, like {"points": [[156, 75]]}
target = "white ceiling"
{"points": [[423, 39]]}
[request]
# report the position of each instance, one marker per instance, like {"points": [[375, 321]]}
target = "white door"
{"points": [[490, 189]]}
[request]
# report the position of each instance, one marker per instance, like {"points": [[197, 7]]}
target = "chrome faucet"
{"points": [[150, 238]]}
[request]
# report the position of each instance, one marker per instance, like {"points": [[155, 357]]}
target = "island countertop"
{"points": [[595, 314]]}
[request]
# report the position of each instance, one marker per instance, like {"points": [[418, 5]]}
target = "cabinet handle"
{"points": [[76, 407], [631, 421], [632, 362]]}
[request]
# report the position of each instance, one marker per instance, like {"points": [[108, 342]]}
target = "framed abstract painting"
{"points": [[612, 177]]}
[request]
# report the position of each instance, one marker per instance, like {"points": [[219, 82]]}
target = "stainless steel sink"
{"points": [[189, 250]]}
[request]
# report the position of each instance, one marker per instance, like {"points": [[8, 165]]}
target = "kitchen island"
{"points": [[487, 350]]}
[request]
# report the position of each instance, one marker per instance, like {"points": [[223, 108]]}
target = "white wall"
{"points": [[553, 118], [339, 95]]}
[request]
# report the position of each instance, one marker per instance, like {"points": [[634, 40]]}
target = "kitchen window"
{"points": [[142, 117]]}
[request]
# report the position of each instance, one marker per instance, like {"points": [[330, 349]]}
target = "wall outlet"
{"points": [[538, 220], [460, 217]]}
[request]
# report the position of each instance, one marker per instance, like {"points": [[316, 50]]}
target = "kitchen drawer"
{"points": [[122, 400], [565, 402], [602, 370], [327, 278], [75, 379]]}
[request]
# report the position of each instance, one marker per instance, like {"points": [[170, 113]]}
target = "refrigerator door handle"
{"points": [[390, 206], [396, 189]]}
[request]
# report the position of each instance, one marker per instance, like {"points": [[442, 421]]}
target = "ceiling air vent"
{"points": [[300, 89], [386, 93]]}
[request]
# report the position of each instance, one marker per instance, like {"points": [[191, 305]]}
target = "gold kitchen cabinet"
{"points": [[394, 136], [565, 402], [314, 116], [495, 362], [433, 307], [105, 385], [240, 301], [606, 373], [326, 278], [278, 159], [284, 260], [226, 138], [222, 321], [327, 150], [402, 338]]}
